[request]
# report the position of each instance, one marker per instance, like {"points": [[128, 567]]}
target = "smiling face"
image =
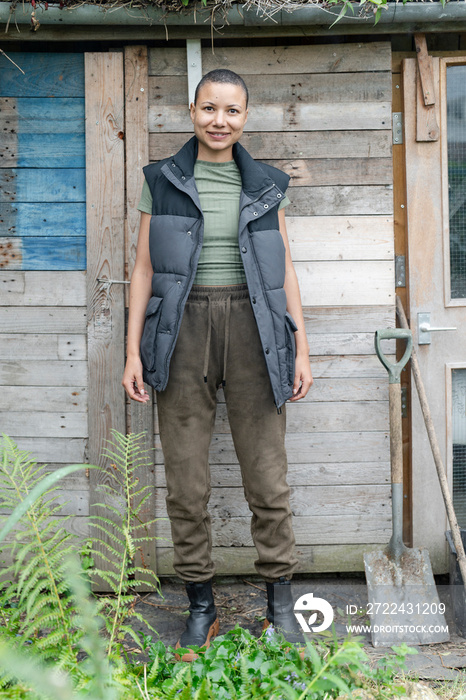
{"points": [[219, 116]]}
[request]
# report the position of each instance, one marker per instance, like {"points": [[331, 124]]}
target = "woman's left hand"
{"points": [[302, 378]]}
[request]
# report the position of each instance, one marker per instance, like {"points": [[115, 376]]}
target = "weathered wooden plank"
{"points": [[58, 450], [136, 156], [343, 389], [75, 524], [303, 474], [337, 171], [236, 532], [72, 503], [427, 116], [238, 561], [25, 423], [342, 343], [272, 60], [45, 75], [57, 219], [35, 346], [344, 366], [43, 373], [340, 238], [43, 398], [312, 144], [11, 253], [42, 150], [345, 319], [36, 288], [17, 319], [136, 142], [341, 200], [346, 283], [425, 72], [77, 481], [319, 558], [47, 253], [326, 417], [293, 116], [42, 185], [304, 500], [309, 447], [105, 192], [42, 115], [306, 87], [329, 417], [337, 389]]}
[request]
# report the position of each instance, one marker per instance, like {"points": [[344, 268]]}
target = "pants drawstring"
{"points": [[226, 340], [209, 333]]}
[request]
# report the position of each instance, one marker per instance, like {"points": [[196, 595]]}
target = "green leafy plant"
{"points": [[88, 661], [95, 679], [119, 534], [35, 576], [239, 666]]}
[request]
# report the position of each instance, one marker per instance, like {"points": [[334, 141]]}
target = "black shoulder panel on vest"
{"points": [[167, 200], [280, 178], [152, 171]]}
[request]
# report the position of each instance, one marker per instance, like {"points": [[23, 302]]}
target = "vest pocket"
{"points": [[148, 335], [290, 328]]}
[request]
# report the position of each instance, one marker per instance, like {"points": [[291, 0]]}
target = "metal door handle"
{"points": [[425, 329]]}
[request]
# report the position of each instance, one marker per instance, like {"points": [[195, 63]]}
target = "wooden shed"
{"points": [[370, 159]]}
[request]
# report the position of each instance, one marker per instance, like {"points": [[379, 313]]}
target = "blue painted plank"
{"points": [[54, 253], [46, 75], [42, 115], [43, 254], [44, 151], [42, 185], [41, 219]]}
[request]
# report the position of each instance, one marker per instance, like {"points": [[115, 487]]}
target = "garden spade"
{"points": [[403, 603]]}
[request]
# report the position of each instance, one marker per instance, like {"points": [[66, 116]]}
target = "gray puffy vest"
{"points": [[176, 234]]}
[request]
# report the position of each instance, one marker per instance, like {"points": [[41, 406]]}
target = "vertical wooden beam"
{"points": [[401, 248], [194, 66], [137, 155], [105, 189], [425, 225]]}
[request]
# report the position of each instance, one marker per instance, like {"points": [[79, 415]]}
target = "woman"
{"points": [[215, 301]]}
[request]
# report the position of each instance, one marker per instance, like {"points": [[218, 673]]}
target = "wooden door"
{"points": [[437, 273]]}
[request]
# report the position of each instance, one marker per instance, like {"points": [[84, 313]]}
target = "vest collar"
{"points": [[253, 177]]}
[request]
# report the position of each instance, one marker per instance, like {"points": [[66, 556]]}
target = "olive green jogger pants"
{"points": [[219, 342]]}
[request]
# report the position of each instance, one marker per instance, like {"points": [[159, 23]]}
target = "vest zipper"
{"points": [[190, 281], [279, 410]]}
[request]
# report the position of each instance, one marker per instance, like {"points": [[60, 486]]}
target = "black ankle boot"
{"points": [[280, 611], [202, 624]]}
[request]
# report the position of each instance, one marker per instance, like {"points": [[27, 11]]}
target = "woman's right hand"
{"points": [[132, 380]]}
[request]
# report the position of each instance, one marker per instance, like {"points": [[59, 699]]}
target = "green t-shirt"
{"points": [[219, 187]]}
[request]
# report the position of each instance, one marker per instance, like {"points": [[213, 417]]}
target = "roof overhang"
{"points": [[395, 17]]}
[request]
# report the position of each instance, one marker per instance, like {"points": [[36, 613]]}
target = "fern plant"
{"points": [[36, 679], [35, 577], [119, 533], [35, 602]]}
